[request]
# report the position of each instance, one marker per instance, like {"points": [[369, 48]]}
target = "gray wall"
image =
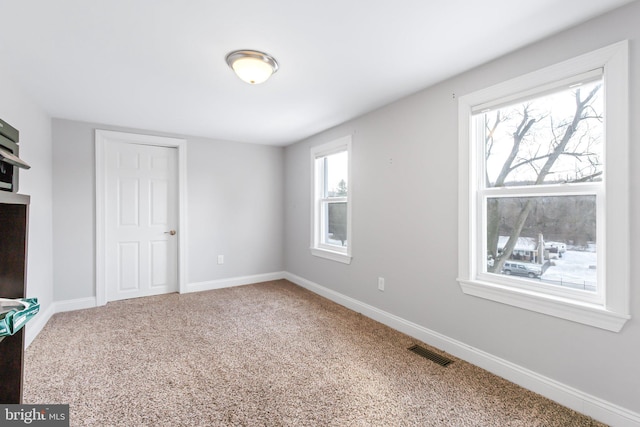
{"points": [[17, 109], [405, 186], [234, 208]]}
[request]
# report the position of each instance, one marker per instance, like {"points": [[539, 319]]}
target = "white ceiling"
{"points": [[159, 64]]}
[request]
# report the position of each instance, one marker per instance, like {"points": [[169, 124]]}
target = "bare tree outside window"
{"points": [[554, 139]]}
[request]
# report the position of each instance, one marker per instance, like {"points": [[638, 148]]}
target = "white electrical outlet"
{"points": [[381, 283], [220, 259]]}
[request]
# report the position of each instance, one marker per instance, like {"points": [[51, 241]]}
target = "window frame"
{"points": [[611, 310], [319, 200]]}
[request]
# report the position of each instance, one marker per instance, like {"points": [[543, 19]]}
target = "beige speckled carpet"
{"points": [[270, 354]]}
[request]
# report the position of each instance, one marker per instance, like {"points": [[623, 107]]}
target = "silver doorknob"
{"points": [[171, 232]]}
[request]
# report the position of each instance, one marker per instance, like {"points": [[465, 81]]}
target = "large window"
{"points": [[331, 213], [544, 190]]}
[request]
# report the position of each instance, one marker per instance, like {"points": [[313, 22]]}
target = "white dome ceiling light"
{"points": [[252, 66]]}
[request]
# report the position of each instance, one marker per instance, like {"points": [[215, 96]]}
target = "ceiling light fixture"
{"points": [[252, 66]]}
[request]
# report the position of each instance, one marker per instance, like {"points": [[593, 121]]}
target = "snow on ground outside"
{"points": [[573, 270]]}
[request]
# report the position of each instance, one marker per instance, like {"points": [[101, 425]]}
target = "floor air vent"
{"points": [[428, 354]]}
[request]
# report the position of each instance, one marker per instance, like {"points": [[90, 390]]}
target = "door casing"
{"points": [[102, 138]]}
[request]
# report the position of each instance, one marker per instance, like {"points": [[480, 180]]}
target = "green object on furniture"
{"points": [[14, 313]]}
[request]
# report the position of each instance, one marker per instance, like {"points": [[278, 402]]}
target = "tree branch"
{"points": [[522, 130], [585, 178]]}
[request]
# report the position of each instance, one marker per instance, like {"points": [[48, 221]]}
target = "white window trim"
{"points": [[317, 248], [613, 312]]}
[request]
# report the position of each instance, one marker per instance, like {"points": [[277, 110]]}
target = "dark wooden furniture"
{"points": [[14, 214]]}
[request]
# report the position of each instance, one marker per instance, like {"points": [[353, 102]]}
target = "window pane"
{"points": [[551, 238], [335, 224], [336, 175], [555, 138]]}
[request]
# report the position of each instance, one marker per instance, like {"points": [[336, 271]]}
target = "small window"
{"points": [[331, 213], [544, 190]]}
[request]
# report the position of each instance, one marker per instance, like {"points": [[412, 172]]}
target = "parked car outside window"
{"points": [[522, 269]]}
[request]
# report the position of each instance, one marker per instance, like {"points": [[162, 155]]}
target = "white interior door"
{"points": [[141, 220]]}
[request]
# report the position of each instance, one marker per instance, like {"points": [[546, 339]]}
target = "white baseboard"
{"points": [[570, 397], [234, 281], [75, 304], [35, 326]]}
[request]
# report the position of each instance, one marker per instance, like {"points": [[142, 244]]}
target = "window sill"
{"points": [[332, 255], [588, 314]]}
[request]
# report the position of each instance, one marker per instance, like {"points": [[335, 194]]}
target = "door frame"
{"points": [[102, 138]]}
